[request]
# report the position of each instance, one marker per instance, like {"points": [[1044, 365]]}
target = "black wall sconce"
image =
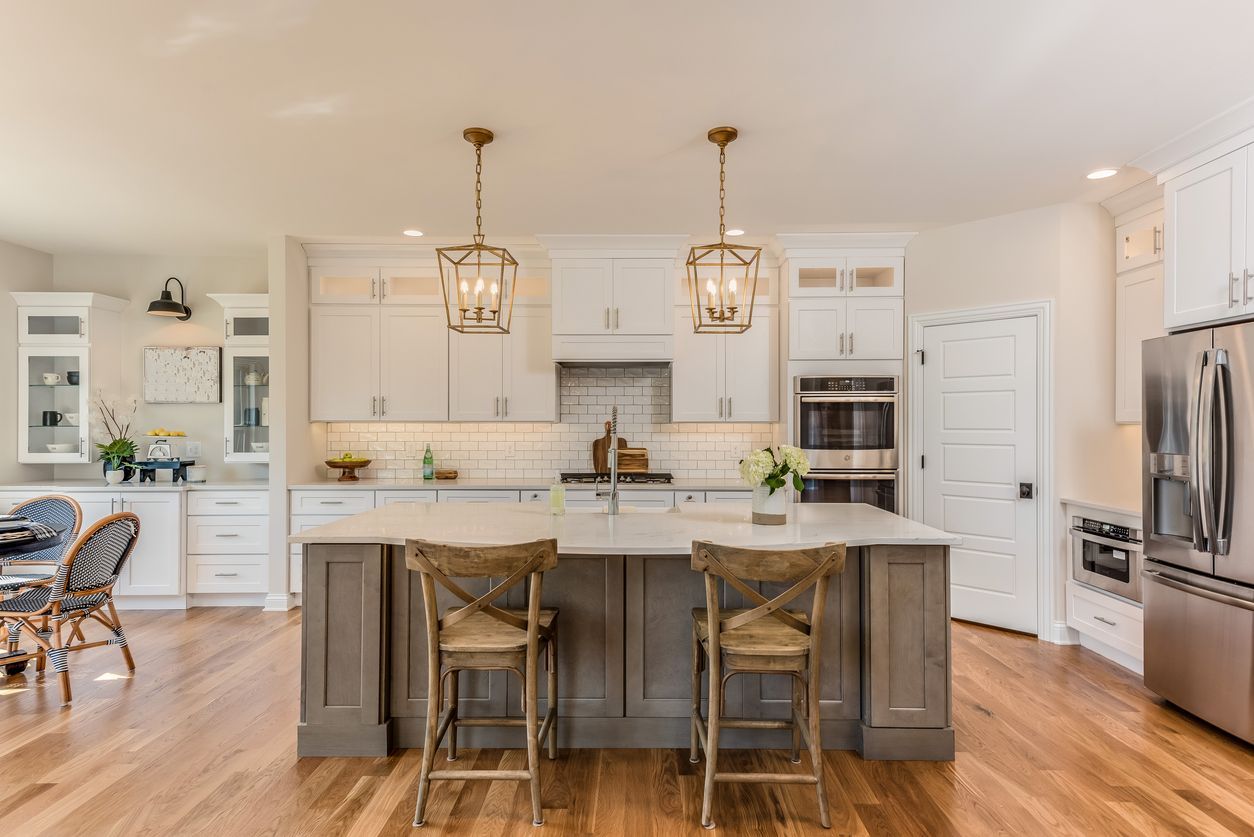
{"points": [[167, 307]]}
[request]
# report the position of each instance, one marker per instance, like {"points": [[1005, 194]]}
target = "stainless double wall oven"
{"points": [[849, 428]]}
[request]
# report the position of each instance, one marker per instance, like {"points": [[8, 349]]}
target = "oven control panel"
{"points": [[1106, 530], [831, 383]]}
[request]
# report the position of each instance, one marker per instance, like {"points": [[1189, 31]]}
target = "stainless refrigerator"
{"points": [[1198, 495]]}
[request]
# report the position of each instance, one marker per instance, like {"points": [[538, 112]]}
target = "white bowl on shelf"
{"points": [[259, 447], [62, 447]]}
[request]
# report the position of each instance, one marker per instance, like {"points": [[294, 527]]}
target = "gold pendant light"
{"points": [[478, 280], [722, 277]]}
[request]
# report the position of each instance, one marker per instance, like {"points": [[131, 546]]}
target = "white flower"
{"points": [[757, 466], [795, 459]]}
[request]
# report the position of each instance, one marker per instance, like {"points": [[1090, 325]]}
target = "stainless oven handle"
{"points": [[851, 477], [847, 399], [1159, 578], [1127, 546]]}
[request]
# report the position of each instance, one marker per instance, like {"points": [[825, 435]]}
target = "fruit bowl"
{"points": [[349, 468]]}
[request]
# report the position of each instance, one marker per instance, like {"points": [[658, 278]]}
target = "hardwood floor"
{"points": [[1051, 740]]}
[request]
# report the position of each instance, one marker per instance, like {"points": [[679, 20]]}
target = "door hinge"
{"points": [[922, 462]]}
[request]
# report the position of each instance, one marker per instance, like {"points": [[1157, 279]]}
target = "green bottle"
{"points": [[428, 464]]}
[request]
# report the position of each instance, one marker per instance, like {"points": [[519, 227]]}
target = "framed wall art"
{"points": [[188, 375]]}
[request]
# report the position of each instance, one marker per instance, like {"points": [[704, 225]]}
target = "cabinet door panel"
{"points": [[1138, 317], [343, 363], [1205, 244], [413, 364], [246, 404], [816, 330], [530, 376], [874, 329], [475, 372], [751, 359], [642, 303], [582, 296], [344, 285], [696, 374], [875, 277], [1139, 242], [155, 567], [54, 416]]}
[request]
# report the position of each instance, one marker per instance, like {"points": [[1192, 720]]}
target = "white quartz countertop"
{"points": [[634, 532], [78, 486], [513, 484]]}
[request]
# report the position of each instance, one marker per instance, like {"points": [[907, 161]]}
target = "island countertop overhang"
{"points": [[634, 532]]}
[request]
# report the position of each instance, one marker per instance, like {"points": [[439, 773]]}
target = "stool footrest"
{"points": [[490, 722], [490, 775], [768, 778], [753, 723]]}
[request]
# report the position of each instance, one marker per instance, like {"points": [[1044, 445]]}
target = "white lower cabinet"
{"points": [[477, 495], [156, 566], [403, 495], [1107, 624], [686, 497], [228, 542], [728, 496], [640, 498]]}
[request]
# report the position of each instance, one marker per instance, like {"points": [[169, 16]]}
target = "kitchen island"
{"points": [[626, 591]]}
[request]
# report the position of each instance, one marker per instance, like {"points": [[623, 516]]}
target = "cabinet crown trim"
{"points": [[53, 299]]}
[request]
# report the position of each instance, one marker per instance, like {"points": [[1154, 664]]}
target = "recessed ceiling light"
{"points": [[1101, 174], [412, 233], [735, 232]]}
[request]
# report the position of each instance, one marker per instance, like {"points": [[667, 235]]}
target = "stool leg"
{"points": [[453, 708], [428, 741], [533, 736], [711, 747], [816, 747], [694, 743], [551, 694], [797, 712]]}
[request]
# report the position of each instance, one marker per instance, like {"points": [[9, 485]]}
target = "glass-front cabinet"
{"points": [[247, 405], [53, 414]]}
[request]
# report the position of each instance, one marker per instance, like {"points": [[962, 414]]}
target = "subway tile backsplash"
{"points": [[538, 451]]}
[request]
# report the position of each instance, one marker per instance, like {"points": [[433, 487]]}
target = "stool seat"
{"points": [[481, 633], [765, 637]]}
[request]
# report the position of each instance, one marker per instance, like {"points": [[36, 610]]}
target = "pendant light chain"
{"points": [[479, 192], [722, 190]]}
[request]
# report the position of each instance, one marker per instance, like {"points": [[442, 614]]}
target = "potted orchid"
{"points": [[768, 470], [113, 423]]}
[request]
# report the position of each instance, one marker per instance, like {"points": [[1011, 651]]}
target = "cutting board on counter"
{"points": [[601, 453]]}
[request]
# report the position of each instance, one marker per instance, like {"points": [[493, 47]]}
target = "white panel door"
{"points": [[979, 444], [816, 329], [583, 294], [343, 363], [413, 364], [1206, 239], [749, 370], [1138, 317], [529, 390], [475, 373], [697, 373], [155, 567], [642, 296], [874, 329]]}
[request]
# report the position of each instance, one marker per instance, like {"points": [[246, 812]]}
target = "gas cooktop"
{"points": [[623, 479]]}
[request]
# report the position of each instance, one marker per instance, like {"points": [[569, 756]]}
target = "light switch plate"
{"points": [[508, 450], [194, 450]]}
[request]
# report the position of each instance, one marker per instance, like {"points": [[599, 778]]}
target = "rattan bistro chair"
{"points": [[481, 636], [82, 589], [763, 639], [54, 510]]}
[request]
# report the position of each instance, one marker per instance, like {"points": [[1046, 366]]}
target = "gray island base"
{"points": [[626, 593]]}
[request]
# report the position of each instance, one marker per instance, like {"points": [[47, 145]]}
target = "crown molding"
{"points": [[1147, 191], [784, 245], [1212, 139]]}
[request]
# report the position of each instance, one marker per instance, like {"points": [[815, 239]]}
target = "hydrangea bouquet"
{"points": [[773, 468]]}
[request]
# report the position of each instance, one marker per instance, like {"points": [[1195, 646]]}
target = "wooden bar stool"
{"points": [[764, 639], [481, 636]]}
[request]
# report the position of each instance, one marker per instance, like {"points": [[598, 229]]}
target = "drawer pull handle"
{"points": [[225, 575], [330, 502], [226, 502], [1105, 621], [227, 535]]}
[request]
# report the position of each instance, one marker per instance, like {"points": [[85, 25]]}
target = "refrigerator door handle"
{"points": [[1197, 509], [1221, 494], [1166, 581]]}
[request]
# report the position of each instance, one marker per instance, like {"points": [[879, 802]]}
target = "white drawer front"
{"points": [[728, 496], [387, 498], [210, 535], [641, 498], [1114, 622], [688, 497], [305, 522], [331, 502], [477, 495], [227, 502], [534, 496], [219, 574]]}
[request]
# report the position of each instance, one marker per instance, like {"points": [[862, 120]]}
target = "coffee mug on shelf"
{"points": [[52, 418], [71, 377], [51, 378]]}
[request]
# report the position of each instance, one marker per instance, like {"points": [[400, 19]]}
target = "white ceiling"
{"points": [[150, 127]]}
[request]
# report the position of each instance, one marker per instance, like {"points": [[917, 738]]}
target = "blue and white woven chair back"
{"points": [[58, 512], [98, 557]]}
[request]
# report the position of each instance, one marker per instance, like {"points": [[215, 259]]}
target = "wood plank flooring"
{"points": [[201, 739]]}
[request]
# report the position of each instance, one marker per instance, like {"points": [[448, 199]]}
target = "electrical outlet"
{"points": [[509, 450], [194, 450]]}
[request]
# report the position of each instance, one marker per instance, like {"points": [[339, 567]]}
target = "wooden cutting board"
{"points": [[601, 451]]}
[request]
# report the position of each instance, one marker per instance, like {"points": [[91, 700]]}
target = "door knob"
{"points": [[1025, 491]]}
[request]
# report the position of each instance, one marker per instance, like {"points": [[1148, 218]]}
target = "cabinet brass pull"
{"points": [[1105, 621]]}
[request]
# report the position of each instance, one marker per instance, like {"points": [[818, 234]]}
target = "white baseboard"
{"points": [[281, 602], [226, 599], [1114, 654], [1061, 633], [151, 602]]}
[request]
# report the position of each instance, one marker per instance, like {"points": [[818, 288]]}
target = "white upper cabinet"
{"points": [[816, 329], [343, 363], [1138, 317], [1206, 273], [509, 377], [54, 325], [1139, 242], [725, 377], [475, 374], [845, 276], [874, 329], [583, 296], [410, 286], [878, 276], [344, 284], [612, 296], [845, 329], [413, 364]]}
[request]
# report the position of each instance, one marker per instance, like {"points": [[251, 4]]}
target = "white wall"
{"points": [[21, 269], [140, 279]]}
